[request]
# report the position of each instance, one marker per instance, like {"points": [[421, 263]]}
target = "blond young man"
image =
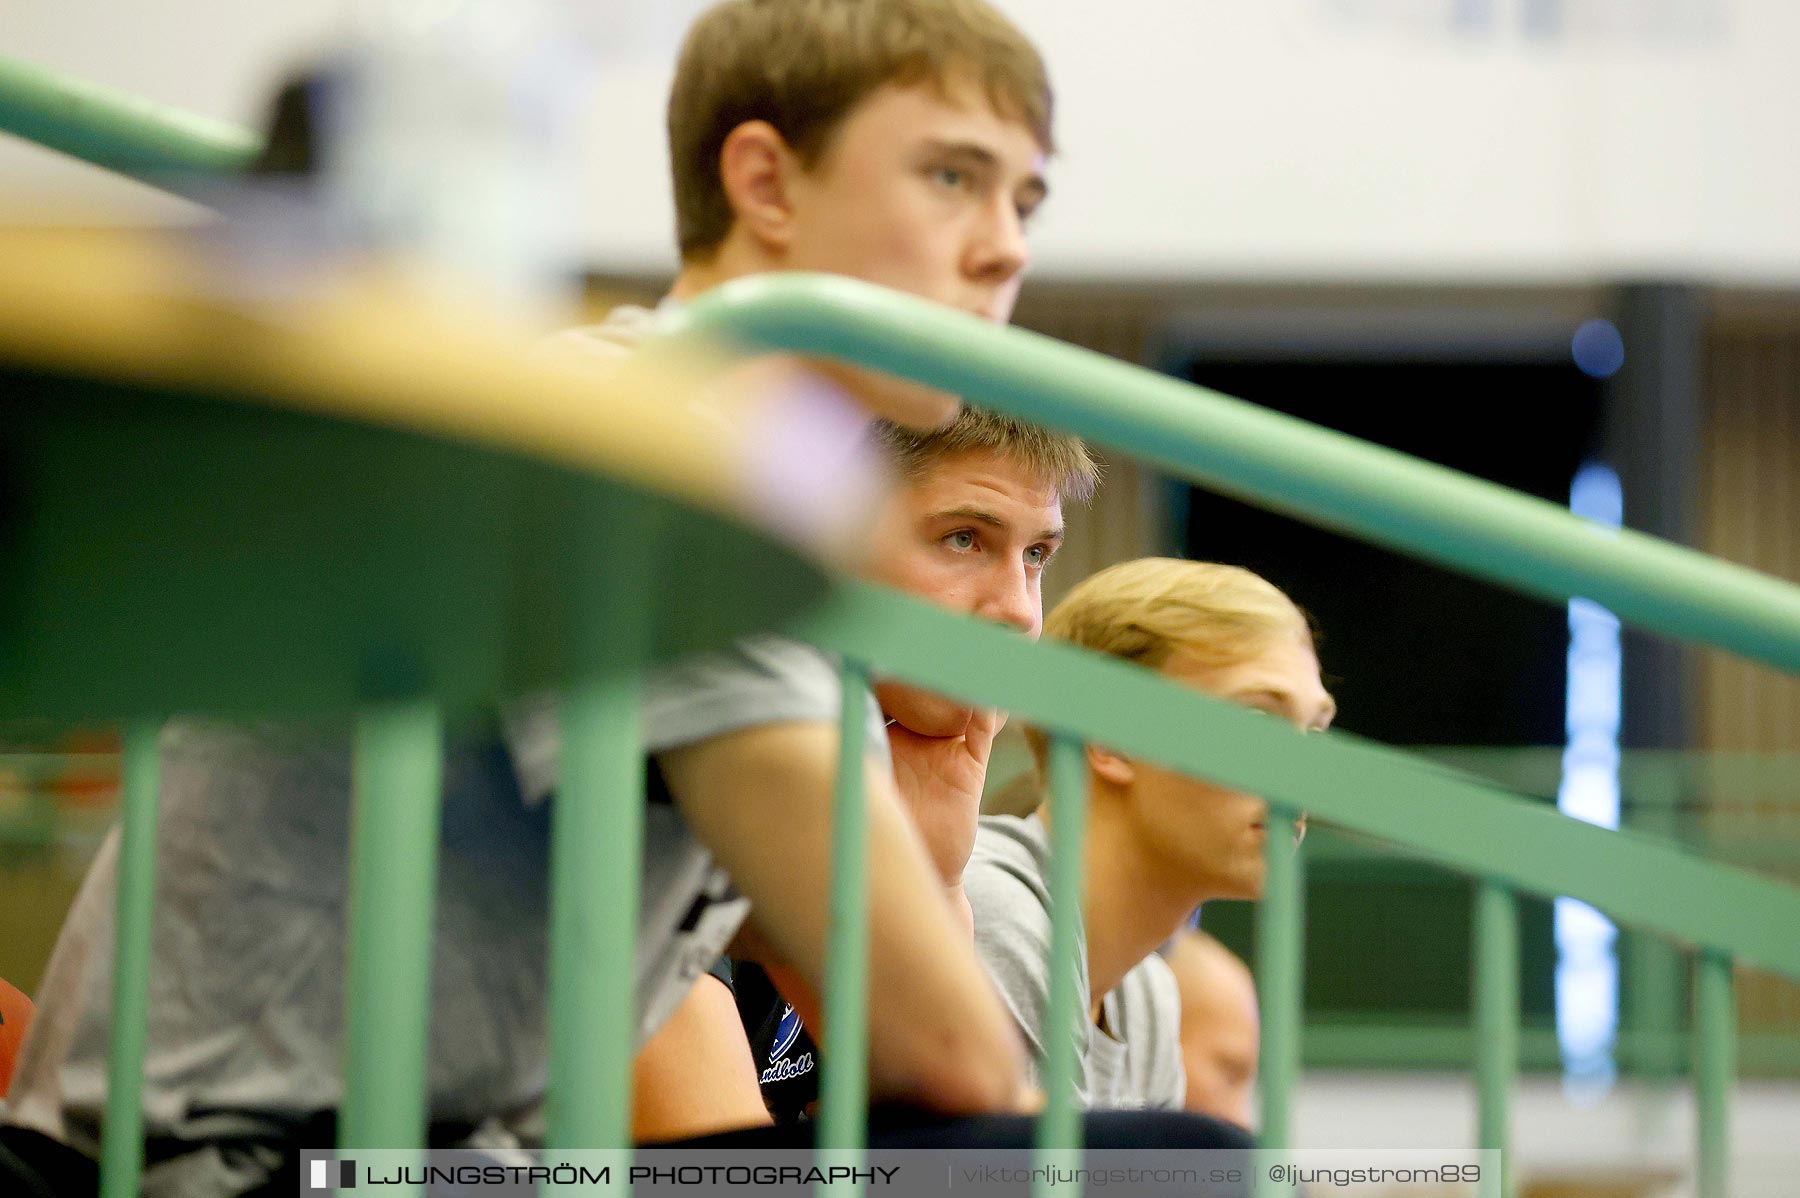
{"points": [[1159, 844]]}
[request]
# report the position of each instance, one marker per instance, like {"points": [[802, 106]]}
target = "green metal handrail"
{"points": [[154, 143], [1275, 461]]}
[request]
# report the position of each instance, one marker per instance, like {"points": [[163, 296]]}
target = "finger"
{"points": [[984, 725]]}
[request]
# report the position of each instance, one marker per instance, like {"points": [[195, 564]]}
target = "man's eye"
{"points": [[951, 177], [962, 539], [1038, 555]]}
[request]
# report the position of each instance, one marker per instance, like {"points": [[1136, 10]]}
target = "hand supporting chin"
{"points": [[921, 712]]}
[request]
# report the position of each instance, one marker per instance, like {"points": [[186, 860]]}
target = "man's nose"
{"points": [[1010, 599], [1001, 252]]}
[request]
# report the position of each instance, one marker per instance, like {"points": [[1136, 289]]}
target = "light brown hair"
{"points": [[802, 65], [1059, 459]]}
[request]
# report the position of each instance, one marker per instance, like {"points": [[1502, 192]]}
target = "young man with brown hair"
{"points": [[973, 524], [901, 142]]}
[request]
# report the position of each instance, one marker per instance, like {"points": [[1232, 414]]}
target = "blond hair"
{"points": [[1155, 608], [1059, 459], [1147, 610], [802, 65]]}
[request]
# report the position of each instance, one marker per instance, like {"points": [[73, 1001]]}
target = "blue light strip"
{"points": [[1587, 967]]}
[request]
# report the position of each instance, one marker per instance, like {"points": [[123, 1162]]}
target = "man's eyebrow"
{"points": [[982, 516], [973, 151]]}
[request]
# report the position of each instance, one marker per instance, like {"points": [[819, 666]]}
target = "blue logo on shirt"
{"points": [[786, 1032]]}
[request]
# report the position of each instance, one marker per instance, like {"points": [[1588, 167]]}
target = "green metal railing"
{"points": [[121, 1151], [1274, 461], [844, 1084], [1402, 503], [1507, 844], [163, 146]]}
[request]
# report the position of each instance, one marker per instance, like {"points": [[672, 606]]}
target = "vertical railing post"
{"points": [[844, 1086], [1651, 995], [1059, 1131], [1496, 1003], [597, 839], [1280, 920], [122, 1136], [1715, 1034], [397, 795]]}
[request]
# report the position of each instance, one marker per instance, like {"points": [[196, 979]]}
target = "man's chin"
{"points": [[921, 713]]}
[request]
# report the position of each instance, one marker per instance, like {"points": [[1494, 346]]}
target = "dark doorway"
{"points": [[1415, 654]]}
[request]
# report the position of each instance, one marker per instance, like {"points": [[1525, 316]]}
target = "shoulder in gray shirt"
{"points": [[1136, 1061]]}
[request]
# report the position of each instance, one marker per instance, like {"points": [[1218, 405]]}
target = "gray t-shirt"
{"points": [[246, 982], [1135, 1060]]}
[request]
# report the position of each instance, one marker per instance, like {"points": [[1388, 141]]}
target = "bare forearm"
{"points": [[696, 1075]]}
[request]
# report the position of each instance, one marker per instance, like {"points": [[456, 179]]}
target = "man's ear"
{"points": [[1113, 767], [755, 164]]}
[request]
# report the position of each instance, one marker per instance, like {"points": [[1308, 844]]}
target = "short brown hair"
{"points": [[802, 65], [1057, 458]]}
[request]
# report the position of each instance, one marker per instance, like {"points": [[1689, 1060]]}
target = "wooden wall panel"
{"points": [[1750, 513]]}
